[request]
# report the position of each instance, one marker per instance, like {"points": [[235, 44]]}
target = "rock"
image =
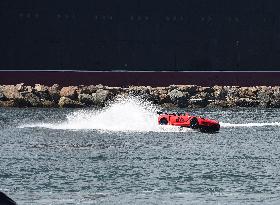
{"points": [[41, 88], [221, 103], [20, 87], [220, 93], [42, 92], [164, 98], [160, 95], [144, 92], [139, 90], [88, 89], [54, 92], [11, 92], [69, 92], [48, 104], [27, 100], [68, 103], [274, 96], [2, 96], [232, 91], [168, 106], [248, 92], [114, 90], [201, 99], [86, 99], [178, 98], [188, 89], [21, 102], [29, 89], [8, 103], [43, 95], [247, 102], [198, 102], [174, 95], [264, 95], [232, 94], [100, 97], [99, 86], [206, 89], [192, 89], [31, 99]]}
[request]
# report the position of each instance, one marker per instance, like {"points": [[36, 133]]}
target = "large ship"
{"points": [[143, 36]]}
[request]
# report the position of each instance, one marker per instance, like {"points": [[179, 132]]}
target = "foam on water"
{"points": [[250, 124], [124, 114]]}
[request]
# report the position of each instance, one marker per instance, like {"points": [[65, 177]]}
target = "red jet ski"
{"points": [[186, 120]]}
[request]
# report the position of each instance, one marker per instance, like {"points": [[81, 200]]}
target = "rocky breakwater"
{"points": [[183, 96]]}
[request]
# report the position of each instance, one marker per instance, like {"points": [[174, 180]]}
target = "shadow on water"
{"points": [[5, 200]]}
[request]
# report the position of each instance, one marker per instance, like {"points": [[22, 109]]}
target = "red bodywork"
{"points": [[186, 120]]}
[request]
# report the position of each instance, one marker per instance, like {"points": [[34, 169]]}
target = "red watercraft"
{"points": [[186, 120]]}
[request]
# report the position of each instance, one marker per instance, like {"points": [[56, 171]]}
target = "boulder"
{"points": [[232, 94], [42, 92], [190, 90], [198, 102], [54, 92], [221, 103], [114, 90], [30, 99], [11, 92], [178, 98], [274, 98], [139, 90], [87, 90], [29, 89], [99, 86], [160, 95], [220, 93], [100, 97], [86, 99], [264, 95], [69, 92], [208, 90], [20, 87], [41, 88], [21, 102], [247, 102], [43, 95], [68, 103], [8, 103], [164, 98], [2, 96], [201, 99], [48, 104], [248, 92], [144, 92], [232, 91]]}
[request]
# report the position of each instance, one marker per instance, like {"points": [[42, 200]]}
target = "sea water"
{"points": [[120, 155]]}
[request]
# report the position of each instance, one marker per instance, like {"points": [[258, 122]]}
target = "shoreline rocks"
{"points": [[181, 96]]}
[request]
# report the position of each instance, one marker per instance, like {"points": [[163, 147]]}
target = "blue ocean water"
{"points": [[119, 155]]}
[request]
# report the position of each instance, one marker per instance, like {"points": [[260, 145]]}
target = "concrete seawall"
{"points": [[183, 96]]}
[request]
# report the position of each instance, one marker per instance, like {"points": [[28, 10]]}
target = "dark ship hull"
{"points": [[117, 78], [141, 35]]}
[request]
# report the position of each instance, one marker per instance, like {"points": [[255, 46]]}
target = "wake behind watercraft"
{"points": [[186, 120]]}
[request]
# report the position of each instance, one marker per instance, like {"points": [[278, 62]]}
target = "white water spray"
{"points": [[125, 114]]}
